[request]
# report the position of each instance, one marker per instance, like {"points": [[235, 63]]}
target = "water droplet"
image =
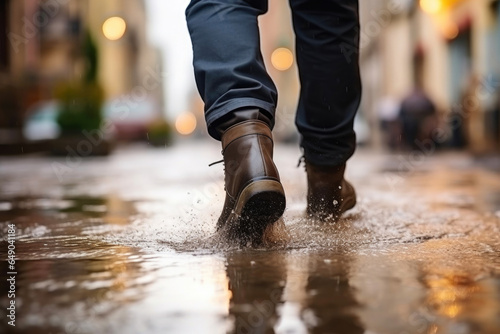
{"points": [[335, 202], [340, 187]]}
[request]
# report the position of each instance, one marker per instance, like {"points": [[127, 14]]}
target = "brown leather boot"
{"points": [[254, 195], [329, 195]]}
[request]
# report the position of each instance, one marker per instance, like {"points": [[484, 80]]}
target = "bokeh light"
{"points": [[282, 59], [114, 28], [431, 6], [185, 123], [450, 30]]}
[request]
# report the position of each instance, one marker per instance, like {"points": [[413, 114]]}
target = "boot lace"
{"points": [[302, 160], [216, 162]]}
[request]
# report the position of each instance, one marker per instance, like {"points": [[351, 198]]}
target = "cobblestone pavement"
{"points": [[125, 244]]}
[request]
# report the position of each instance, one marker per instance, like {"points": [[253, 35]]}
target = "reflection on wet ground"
{"points": [[125, 244]]}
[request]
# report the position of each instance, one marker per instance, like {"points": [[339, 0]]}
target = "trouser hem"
{"points": [[214, 114]]}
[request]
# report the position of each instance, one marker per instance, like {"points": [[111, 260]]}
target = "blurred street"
{"points": [[123, 244]]}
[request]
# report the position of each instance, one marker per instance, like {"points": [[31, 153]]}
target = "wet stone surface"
{"points": [[125, 244]]}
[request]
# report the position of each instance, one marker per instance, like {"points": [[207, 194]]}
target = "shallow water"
{"points": [[126, 244]]}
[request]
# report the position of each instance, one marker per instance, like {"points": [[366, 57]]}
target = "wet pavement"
{"points": [[125, 244]]}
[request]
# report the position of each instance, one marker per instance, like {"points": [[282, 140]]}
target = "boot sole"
{"points": [[260, 203]]}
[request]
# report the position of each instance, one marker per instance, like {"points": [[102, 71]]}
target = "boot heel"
{"points": [[261, 203]]}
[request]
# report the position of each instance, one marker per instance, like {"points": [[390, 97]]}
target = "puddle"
{"points": [[102, 254]]}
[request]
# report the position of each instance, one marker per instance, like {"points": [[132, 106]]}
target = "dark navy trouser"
{"points": [[230, 72]]}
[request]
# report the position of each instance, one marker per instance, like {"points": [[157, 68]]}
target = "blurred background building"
{"points": [[430, 68], [449, 48], [41, 45]]}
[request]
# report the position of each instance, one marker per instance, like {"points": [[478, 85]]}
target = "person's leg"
{"points": [[229, 69], [240, 100], [327, 45]]}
